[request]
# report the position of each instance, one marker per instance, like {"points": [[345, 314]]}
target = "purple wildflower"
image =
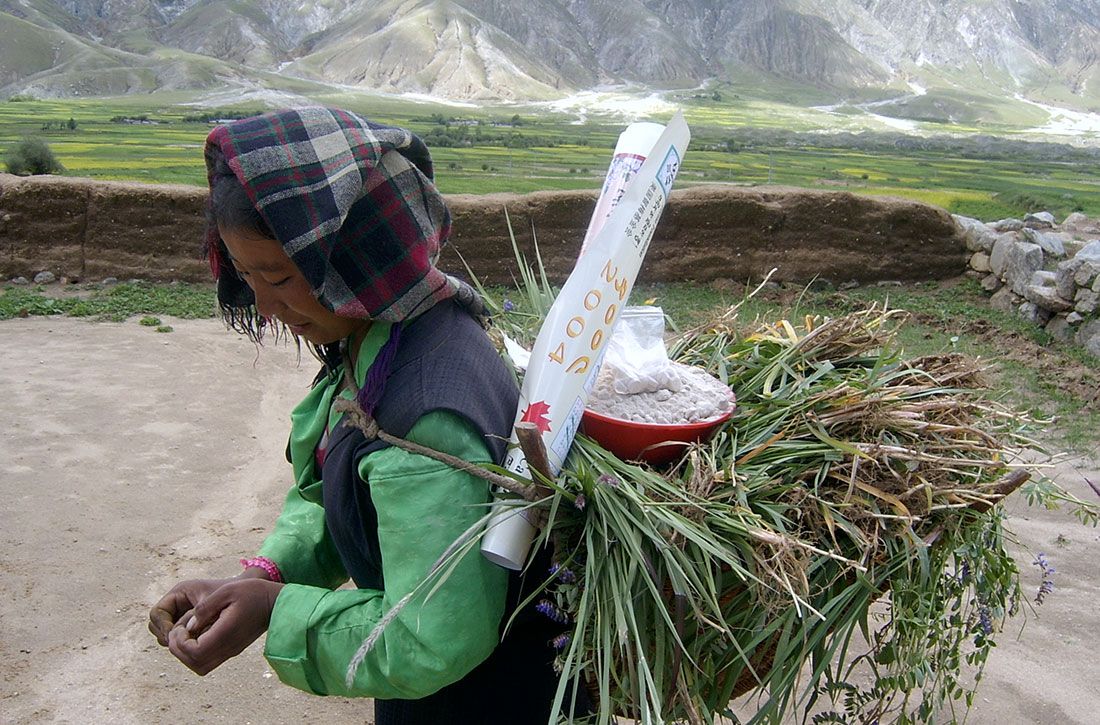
{"points": [[564, 574], [546, 608], [964, 572], [608, 480], [983, 624], [580, 501], [509, 305], [1046, 585], [561, 641], [985, 621]]}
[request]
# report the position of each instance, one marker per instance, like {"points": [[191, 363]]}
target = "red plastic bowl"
{"points": [[654, 443]]}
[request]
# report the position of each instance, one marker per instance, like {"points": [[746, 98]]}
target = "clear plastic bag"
{"points": [[637, 360]]}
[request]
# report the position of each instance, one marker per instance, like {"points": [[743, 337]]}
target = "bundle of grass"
{"points": [[849, 476], [837, 549]]}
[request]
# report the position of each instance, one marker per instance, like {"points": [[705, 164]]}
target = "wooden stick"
{"points": [[1003, 488], [534, 450]]}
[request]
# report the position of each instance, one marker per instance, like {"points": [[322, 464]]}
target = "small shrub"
{"points": [[32, 156], [150, 321]]}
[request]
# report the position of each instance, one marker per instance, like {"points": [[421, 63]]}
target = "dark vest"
{"points": [[444, 361]]}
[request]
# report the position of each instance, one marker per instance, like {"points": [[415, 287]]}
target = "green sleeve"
{"points": [[423, 507], [300, 544]]}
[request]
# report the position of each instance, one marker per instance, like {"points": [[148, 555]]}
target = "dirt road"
{"points": [[130, 459]]}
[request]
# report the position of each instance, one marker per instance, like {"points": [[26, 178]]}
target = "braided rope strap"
{"points": [[372, 431]]}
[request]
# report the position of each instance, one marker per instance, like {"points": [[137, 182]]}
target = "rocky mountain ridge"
{"points": [[541, 49]]}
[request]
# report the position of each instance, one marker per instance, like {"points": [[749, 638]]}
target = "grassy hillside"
{"points": [[24, 48]]}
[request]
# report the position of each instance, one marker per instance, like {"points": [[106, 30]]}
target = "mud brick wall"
{"points": [[89, 230]]}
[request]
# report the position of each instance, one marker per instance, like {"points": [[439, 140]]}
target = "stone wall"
{"points": [[1045, 272], [88, 230]]}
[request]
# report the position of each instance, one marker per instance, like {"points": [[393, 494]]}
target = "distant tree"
{"points": [[716, 96], [31, 156], [516, 120], [71, 124]]}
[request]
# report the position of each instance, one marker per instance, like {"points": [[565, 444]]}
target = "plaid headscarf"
{"points": [[353, 204]]}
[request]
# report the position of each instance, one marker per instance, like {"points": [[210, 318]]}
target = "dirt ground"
{"points": [[130, 459]]}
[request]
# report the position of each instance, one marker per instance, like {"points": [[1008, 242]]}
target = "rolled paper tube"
{"points": [[516, 529], [508, 538], [630, 153], [570, 345]]}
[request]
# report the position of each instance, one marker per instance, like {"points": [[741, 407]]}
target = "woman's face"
{"points": [[281, 290]]}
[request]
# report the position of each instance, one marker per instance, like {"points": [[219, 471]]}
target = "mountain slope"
{"points": [[942, 50], [437, 47]]}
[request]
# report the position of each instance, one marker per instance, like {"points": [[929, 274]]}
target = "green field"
{"points": [[498, 150]]}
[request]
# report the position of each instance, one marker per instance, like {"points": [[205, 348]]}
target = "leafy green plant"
{"points": [[31, 156]]}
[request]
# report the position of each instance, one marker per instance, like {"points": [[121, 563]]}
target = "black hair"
{"points": [[229, 207]]}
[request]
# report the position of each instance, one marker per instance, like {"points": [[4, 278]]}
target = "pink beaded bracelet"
{"points": [[267, 565]]}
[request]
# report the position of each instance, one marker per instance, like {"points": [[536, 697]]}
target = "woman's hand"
{"points": [[184, 597], [223, 623], [180, 600]]}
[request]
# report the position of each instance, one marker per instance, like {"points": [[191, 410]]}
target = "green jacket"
{"points": [[423, 506]]}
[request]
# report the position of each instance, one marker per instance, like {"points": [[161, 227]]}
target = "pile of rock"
{"points": [[1048, 273]]}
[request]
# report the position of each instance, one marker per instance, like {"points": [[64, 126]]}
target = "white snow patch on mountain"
{"points": [[1065, 122], [630, 107], [901, 124]]}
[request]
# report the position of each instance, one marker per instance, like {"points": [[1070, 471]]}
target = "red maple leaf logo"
{"points": [[537, 413]]}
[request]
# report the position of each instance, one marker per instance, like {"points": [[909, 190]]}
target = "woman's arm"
{"points": [[423, 506], [300, 544]]}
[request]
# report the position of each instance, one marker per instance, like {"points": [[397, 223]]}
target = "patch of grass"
{"points": [[117, 303]]}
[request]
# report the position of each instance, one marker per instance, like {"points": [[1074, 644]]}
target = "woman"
{"points": [[329, 225]]}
